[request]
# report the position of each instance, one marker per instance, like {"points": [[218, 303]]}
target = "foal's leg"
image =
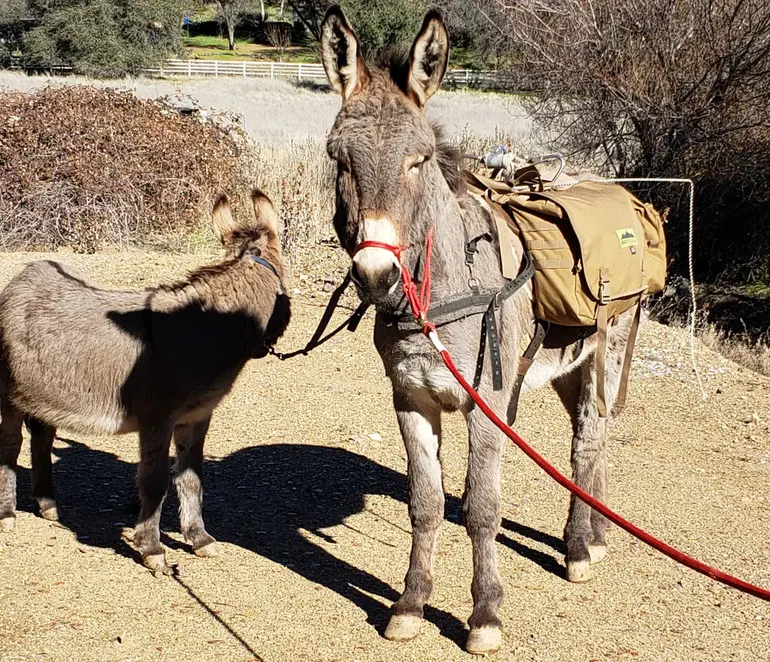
{"points": [[421, 431], [42, 481], [10, 445], [189, 439], [152, 481], [584, 534], [481, 510]]}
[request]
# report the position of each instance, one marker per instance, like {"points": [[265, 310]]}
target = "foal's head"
{"points": [[389, 160], [256, 237]]}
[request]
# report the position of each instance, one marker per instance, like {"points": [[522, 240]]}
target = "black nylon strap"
{"points": [[318, 338], [494, 347], [464, 305]]}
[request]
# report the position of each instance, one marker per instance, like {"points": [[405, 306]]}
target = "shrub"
{"points": [[664, 89], [103, 37], [86, 167]]}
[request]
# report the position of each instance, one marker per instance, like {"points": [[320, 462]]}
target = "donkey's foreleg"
{"points": [[152, 481], [42, 479], [584, 534], [421, 431], [189, 439], [10, 445], [481, 510]]}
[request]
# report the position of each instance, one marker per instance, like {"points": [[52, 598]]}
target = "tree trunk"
{"points": [[262, 8], [282, 4], [231, 33]]}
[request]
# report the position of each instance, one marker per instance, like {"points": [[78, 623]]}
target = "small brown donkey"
{"points": [[155, 362]]}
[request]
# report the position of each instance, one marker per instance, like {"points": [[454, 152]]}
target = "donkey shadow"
{"points": [[261, 498]]}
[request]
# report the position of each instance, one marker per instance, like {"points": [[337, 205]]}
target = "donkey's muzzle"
{"points": [[375, 283]]}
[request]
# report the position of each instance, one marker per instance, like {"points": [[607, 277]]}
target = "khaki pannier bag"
{"points": [[596, 249]]}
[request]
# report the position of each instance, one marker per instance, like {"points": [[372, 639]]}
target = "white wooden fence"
{"points": [[309, 72], [301, 72], [244, 69]]}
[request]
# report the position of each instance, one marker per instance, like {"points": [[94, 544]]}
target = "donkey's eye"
{"points": [[413, 164]]}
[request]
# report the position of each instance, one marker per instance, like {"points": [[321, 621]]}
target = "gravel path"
{"points": [[305, 488]]}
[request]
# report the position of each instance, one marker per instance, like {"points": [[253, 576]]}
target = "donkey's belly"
{"points": [[77, 414]]}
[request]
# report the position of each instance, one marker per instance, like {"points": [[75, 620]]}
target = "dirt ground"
{"points": [[306, 491]]}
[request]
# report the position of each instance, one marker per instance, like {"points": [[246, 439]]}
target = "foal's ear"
{"points": [[428, 58], [222, 216], [264, 212], [341, 53]]}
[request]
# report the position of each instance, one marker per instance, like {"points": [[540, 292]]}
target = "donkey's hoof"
{"points": [[48, 510], [7, 524], [484, 640], [209, 550], [157, 563], [597, 553], [578, 571], [403, 627]]}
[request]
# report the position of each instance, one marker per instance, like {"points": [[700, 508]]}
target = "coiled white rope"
{"points": [[693, 299], [510, 161]]}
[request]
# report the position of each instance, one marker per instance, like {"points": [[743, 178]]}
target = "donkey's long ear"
{"points": [[264, 212], [428, 58], [341, 52], [222, 216]]}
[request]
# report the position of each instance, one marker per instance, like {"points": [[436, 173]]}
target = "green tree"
{"points": [[14, 15], [384, 23], [104, 37]]}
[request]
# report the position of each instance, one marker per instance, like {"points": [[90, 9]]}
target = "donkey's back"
{"points": [[68, 348]]}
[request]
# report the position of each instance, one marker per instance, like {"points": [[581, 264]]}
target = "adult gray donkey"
{"points": [[398, 179]]}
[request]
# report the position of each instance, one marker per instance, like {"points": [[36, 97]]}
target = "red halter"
{"points": [[419, 303]]}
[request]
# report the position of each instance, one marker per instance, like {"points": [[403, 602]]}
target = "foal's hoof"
{"points": [[209, 550], [403, 627], [157, 563], [578, 572], [7, 524], [48, 510], [484, 640], [597, 553]]}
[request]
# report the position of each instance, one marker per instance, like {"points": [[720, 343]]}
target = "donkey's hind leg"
{"points": [[189, 440], [42, 479], [152, 481], [584, 533], [10, 445], [421, 431]]}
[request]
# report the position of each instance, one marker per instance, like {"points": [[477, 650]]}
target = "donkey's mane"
{"points": [[394, 62]]}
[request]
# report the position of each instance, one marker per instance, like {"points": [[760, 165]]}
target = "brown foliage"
{"points": [[666, 88], [85, 167]]}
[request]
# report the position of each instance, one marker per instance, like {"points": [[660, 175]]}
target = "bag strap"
{"points": [[525, 363], [601, 356], [601, 352], [620, 400]]}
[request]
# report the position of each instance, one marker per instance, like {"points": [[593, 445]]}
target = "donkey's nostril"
{"points": [[355, 273], [393, 276]]}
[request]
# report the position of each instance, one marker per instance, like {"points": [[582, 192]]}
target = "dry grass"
{"points": [[752, 354]]}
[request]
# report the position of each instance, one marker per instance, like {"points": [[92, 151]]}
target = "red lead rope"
{"points": [[419, 306]]}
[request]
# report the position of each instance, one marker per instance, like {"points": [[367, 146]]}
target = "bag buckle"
{"points": [[605, 295]]}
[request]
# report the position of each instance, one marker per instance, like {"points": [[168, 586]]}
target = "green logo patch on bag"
{"points": [[627, 237]]}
